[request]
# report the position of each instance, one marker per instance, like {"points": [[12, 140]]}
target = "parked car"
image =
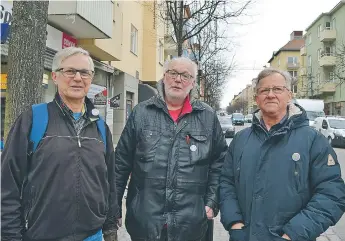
{"points": [[227, 127], [238, 119], [333, 128], [248, 118]]}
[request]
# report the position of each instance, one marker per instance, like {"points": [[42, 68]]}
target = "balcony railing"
{"points": [[328, 35], [328, 59]]}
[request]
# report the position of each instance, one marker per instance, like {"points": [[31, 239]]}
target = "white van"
{"points": [[313, 107], [333, 128]]}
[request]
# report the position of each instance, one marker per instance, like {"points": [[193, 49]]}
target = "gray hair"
{"points": [[168, 63], [270, 71], [68, 52]]}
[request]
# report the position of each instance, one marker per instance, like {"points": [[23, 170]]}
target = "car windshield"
{"points": [[225, 121], [312, 115], [337, 123], [237, 116]]}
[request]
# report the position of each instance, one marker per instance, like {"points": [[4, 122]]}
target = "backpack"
{"points": [[40, 123]]}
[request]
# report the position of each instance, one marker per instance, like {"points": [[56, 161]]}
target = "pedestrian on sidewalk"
{"points": [[60, 186], [174, 147], [281, 179]]}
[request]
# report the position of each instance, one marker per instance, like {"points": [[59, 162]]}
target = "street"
{"points": [[333, 234]]}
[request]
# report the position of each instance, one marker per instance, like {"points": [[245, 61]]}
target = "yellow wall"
{"points": [[153, 33], [131, 13]]}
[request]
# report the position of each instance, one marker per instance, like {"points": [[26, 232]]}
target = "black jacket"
{"points": [[172, 178], [281, 181], [70, 189]]}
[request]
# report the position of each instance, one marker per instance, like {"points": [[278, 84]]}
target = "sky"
{"points": [[267, 28]]}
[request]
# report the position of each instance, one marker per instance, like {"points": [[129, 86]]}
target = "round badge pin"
{"points": [[193, 148], [296, 156], [95, 112]]}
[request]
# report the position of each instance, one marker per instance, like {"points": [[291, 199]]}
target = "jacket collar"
{"points": [[296, 117], [89, 107]]}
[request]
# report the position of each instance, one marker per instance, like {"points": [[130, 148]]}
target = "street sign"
{"points": [[115, 102]]}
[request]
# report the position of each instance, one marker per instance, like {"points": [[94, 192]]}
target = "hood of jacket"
{"points": [[297, 117]]}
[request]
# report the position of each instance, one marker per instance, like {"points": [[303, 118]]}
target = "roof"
{"points": [[292, 45], [336, 8]]}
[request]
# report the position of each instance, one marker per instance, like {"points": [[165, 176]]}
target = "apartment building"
{"points": [[324, 38], [288, 58]]}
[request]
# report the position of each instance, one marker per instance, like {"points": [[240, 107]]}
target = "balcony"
{"points": [[328, 88], [303, 51], [292, 65], [328, 35], [303, 71], [82, 19], [327, 60]]}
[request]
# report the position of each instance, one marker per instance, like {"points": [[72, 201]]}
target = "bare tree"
{"points": [[339, 72], [189, 17], [25, 58]]}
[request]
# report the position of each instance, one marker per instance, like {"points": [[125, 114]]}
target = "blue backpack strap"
{"points": [[39, 123], [101, 127]]}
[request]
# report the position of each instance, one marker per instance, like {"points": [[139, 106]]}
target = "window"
{"points": [[328, 25], [333, 24], [319, 54], [161, 52], [134, 40], [331, 76], [293, 74], [294, 88], [292, 60], [319, 29], [309, 39], [309, 60]]}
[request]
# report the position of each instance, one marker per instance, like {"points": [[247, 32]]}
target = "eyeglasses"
{"points": [[183, 76], [275, 90], [70, 73]]}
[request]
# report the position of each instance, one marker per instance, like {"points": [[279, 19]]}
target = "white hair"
{"points": [[68, 52], [270, 71], [185, 60]]}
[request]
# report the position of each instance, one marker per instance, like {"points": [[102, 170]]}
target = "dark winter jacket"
{"points": [[175, 169], [70, 189], [286, 180]]}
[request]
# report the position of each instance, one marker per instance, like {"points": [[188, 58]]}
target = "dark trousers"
{"points": [[208, 236]]}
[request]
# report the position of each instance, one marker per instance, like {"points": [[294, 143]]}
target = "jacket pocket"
{"points": [[276, 232], [146, 149], [199, 148]]}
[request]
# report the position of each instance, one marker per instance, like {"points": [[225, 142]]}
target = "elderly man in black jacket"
{"points": [[174, 147], [65, 189]]}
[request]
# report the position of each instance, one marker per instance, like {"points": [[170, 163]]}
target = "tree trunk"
{"points": [[180, 29], [25, 58]]}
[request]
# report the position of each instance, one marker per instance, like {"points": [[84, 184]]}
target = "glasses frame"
{"points": [[190, 77], [271, 88], [62, 70]]}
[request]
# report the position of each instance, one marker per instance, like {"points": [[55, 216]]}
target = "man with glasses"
{"points": [[65, 188], [174, 147], [281, 179]]}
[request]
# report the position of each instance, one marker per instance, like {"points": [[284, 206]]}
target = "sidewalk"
{"points": [[219, 233]]}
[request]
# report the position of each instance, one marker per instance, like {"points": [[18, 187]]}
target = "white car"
{"points": [[333, 128]]}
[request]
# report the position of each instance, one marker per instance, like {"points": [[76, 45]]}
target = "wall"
{"points": [[132, 13], [123, 83]]}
